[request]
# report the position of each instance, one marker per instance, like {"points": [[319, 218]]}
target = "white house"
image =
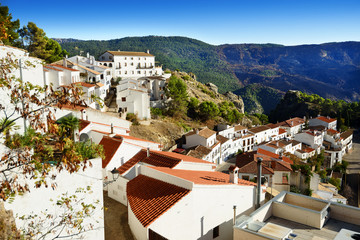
{"points": [[323, 121], [241, 138], [329, 192], [130, 64], [313, 138], [133, 98], [182, 204], [130, 169], [276, 169], [264, 133], [292, 126], [207, 139]]}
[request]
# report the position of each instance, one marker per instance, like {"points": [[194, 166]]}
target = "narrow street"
{"points": [[116, 220], [353, 170]]}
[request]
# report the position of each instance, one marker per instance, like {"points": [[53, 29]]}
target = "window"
{"points": [[110, 64], [246, 177], [125, 58], [125, 64], [138, 72], [123, 99], [102, 76], [110, 57], [132, 58], [132, 64], [216, 232]]}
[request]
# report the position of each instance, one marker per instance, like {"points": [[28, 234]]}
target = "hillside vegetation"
{"points": [[298, 104]]}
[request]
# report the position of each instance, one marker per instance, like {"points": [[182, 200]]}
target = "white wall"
{"points": [[39, 198], [117, 190]]}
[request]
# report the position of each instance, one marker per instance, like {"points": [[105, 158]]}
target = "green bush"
{"points": [[132, 118], [156, 112]]}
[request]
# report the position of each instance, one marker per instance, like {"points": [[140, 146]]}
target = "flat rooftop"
{"points": [[303, 232], [295, 216]]}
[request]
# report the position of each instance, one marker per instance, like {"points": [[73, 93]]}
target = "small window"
{"points": [[216, 232], [132, 58], [125, 59], [132, 64], [123, 99]]}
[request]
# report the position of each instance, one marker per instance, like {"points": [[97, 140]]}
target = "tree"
{"points": [[177, 91], [39, 45], [69, 125], [8, 28], [208, 110]]}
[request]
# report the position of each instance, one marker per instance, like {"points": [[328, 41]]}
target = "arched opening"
{"points": [[105, 64], [110, 64]]}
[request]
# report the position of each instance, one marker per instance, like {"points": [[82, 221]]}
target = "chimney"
{"points": [[234, 219], [64, 62], [87, 55], [148, 51], [292, 123], [112, 128], [258, 194], [280, 155], [148, 152], [197, 131], [277, 143], [233, 174]]}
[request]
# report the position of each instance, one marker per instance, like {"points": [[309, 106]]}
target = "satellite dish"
{"points": [[84, 137]]}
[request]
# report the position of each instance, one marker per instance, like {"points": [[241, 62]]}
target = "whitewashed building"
{"points": [[292, 126], [182, 204], [133, 98], [133, 65], [323, 121], [313, 138]]}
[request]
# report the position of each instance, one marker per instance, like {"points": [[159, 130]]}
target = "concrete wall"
{"points": [[194, 166], [117, 190], [295, 214], [241, 234], [345, 213], [310, 203]]}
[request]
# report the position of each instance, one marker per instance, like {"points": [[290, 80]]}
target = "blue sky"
{"points": [[288, 22]]}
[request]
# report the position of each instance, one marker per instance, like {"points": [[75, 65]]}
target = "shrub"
{"points": [[132, 118], [156, 112]]}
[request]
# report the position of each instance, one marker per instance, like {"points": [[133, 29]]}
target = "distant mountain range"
{"points": [[331, 70]]}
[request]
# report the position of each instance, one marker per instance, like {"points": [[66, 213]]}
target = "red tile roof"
{"points": [[332, 131], [273, 155], [110, 145], [159, 159], [251, 167], [281, 131], [149, 198], [125, 53], [84, 84], [259, 129], [203, 177], [83, 124], [205, 132], [326, 119], [60, 66]]}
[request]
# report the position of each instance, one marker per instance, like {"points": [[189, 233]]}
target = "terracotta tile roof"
{"points": [[346, 134], [332, 131], [326, 119], [203, 150], [110, 145], [149, 198], [271, 125], [159, 159], [308, 149], [281, 131], [195, 154], [251, 167], [99, 84], [239, 128], [203, 177], [87, 69], [259, 129], [72, 107], [125, 53], [281, 166], [294, 142], [273, 155], [183, 157], [141, 155], [221, 139], [84, 84], [52, 68], [83, 124], [205, 132], [66, 68], [318, 127]]}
